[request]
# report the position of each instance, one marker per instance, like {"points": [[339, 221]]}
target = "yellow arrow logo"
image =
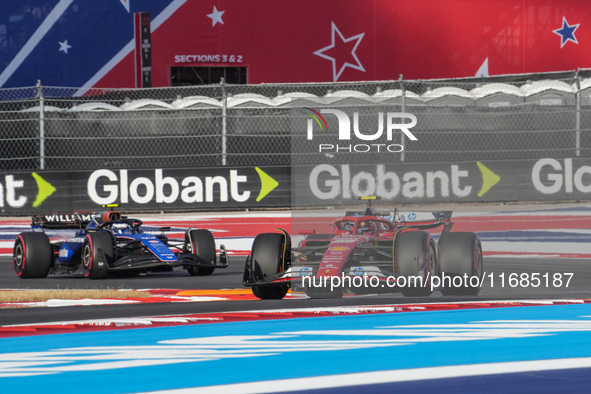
{"points": [[44, 189], [489, 179], [267, 184]]}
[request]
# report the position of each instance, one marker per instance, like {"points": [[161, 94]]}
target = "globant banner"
{"points": [[155, 189], [321, 185], [545, 179]]}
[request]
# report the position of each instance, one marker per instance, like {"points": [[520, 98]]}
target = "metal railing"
{"points": [[458, 120]]}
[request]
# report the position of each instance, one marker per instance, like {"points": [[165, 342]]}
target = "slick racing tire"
{"points": [[416, 263], [461, 254], [32, 255], [203, 245], [97, 255], [267, 253]]}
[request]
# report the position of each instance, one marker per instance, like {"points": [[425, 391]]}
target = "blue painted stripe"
{"points": [[216, 354]]}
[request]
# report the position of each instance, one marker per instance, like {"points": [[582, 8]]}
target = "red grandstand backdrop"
{"points": [[302, 41]]}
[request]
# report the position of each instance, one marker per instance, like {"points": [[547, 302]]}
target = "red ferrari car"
{"points": [[369, 252]]}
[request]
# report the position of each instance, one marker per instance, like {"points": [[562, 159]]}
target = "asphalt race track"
{"points": [[536, 260], [231, 277], [520, 245]]}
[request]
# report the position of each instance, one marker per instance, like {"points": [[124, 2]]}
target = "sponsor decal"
{"points": [[326, 258], [348, 240], [550, 176], [304, 271], [359, 271], [339, 248], [10, 193], [329, 182], [77, 217], [108, 187]]}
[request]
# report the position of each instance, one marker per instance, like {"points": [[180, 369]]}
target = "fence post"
{"points": [[402, 137], [224, 120], [41, 126], [578, 115]]}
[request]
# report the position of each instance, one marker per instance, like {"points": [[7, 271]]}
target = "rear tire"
{"points": [[32, 255], [97, 255], [203, 245], [415, 257], [461, 253], [267, 253]]}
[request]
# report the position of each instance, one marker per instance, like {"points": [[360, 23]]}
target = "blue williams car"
{"points": [[98, 244]]}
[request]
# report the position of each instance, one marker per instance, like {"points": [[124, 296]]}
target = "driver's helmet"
{"points": [[121, 228], [365, 227]]}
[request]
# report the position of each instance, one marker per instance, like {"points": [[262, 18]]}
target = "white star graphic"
{"points": [[64, 47], [126, 4], [345, 64], [216, 16]]}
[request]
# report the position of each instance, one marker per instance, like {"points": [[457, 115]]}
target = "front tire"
{"points": [[415, 258], [32, 255], [461, 254], [97, 255], [268, 261], [203, 245]]}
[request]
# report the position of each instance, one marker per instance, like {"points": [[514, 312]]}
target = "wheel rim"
{"points": [[86, 255], [478, 265], [431, 261], [429, 267], [18, 257]]}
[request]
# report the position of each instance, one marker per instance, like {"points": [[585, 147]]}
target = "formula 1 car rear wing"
{"points": [[423, 220], [62, 221], [408, 217], [369, 209]]}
